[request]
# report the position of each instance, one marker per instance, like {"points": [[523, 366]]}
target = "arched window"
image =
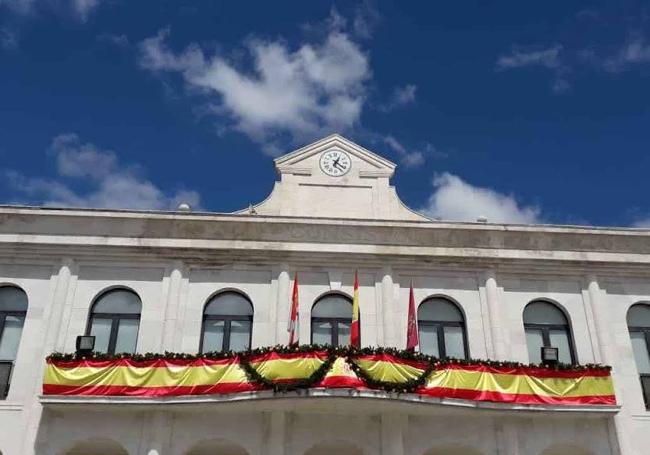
{"points": [[441, 327], [331, 320], [227, 323], [547, 326], [13, 309], [638, 323], [114, 321]]}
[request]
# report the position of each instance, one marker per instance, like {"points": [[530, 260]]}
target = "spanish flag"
{"points": [[355, 337]]}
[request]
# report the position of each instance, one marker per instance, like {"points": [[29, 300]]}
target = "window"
{"points": [[441, 328], [547, 326], [13, 309], [331, 320], [638, 323], [114, 321], [227, 323]]}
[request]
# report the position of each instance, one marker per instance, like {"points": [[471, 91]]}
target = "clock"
{"points": [[335, 163]]}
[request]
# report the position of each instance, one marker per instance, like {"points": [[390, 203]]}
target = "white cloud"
{"points": [[519, 58], [84, 8], [400, 97], [112, 185], [642, 223], [456, 200], [80, 8], [635, 51], [8, 38], [300, 92], [409, 159]]}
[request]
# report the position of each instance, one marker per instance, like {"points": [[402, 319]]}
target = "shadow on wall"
{"points": [[334, 447], [97, 447], [452, 450], [217, 446]]}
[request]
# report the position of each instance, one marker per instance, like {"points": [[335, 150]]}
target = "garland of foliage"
{"points": [[348, 352]]}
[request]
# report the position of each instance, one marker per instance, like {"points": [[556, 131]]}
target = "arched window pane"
{"points": [[213, 335], [100, 328], [12, 299], [544, 313], [240, 335], [639, 316], [127, 335], [10, 337], [118, 301], [535, 342], [437, 309], [560, 340], [333, 306], [229, 304]]}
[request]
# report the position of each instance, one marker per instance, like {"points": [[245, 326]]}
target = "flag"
{"points": [[412, 338], [294, 327], [355, 338]]}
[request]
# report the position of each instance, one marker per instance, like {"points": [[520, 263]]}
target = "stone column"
{"points": [[171, 337], [388, 333], [61, 308], [280, 311], [276, 432], [497, 324], [392, 433], [606, 351]]}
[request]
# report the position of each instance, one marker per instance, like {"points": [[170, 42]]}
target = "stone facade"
{"points": [[324, 228]]}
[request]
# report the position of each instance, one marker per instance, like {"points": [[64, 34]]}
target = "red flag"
{"points": [[412, 338], [355, 338], [294, 327]]}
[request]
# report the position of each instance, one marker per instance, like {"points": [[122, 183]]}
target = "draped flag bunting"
{"points": [[412, 337], [355, 338], [283, 369], [294, 328]]}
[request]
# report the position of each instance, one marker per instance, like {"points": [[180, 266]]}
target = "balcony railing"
{"points": [[283, 369]]}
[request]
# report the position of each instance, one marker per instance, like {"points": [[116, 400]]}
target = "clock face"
{"points": [[335, 163]]}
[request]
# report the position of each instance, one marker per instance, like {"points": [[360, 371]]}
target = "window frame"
{"points": [[115, 320], [546, 329], [440, 327], [646, 332], [228, 319], [3, 321], [334, 321]]}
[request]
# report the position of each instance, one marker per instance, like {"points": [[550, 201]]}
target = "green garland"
{"points": [[332, 352], [410, 386]]}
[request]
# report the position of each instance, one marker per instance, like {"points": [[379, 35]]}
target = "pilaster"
{"points": [[392, 433], [498, 326]]}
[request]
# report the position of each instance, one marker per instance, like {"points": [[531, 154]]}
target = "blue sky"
{"points": [[519, 111]]}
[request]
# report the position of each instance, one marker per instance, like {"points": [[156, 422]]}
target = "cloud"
{"points": [[456, 200], [409, 159], [82, 9], [112, 185], [642, 223], [296, 92], [636, 50], [548, 58], [400, 97], [8, 38], [117, 40]]}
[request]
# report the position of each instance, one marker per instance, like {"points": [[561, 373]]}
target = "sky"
{"points": [[522, 112]]}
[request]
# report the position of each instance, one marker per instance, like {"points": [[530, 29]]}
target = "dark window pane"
{"points": [[333, 306], [454, 344], [645, 384], [544, 313], [127, 336], [12, 299], [240, 335], [118, 301], [213, 335], [639, 316], [344, 333], [640, 348], [438, 309], [10, 337], [429, 340], [5, 376], [229, 304], [321, 333], [534, 341], [101, 330]]}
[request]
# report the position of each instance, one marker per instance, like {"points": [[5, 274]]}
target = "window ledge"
{"points": [[10, 406], [346, 394]]}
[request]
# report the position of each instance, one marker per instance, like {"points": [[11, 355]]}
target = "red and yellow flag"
{"points": [[294, 327], [355, 337]]}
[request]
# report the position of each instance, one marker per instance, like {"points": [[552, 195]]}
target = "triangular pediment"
{"points": [[301, 161]]}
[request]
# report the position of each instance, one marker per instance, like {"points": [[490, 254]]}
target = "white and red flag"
{"points": [[412, 338], [355, 335], [294, 326]]}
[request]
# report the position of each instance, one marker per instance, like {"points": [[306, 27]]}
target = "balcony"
{"points": [[324, 372]]}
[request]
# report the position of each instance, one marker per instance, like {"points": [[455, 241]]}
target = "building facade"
{"points": [[159, 281]]}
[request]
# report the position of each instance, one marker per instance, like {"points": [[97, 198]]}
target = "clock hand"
{"points": [[336, 161], [336, 164]]}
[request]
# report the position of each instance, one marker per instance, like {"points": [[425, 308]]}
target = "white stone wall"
{"points": [[173, 295]]}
